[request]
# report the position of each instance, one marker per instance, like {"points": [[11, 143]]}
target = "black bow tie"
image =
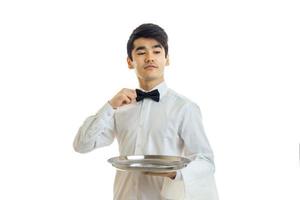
{"points": [[154, 95]]}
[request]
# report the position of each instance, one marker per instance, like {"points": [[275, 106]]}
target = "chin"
{"points": [[152, 78]]}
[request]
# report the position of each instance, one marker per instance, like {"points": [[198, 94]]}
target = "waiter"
{"points": [[153, 120]]}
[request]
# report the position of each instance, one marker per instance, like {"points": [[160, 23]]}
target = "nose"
{"points": [[149, 58]]}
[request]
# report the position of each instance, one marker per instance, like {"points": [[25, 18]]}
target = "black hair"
{"points": [[148, 30]]}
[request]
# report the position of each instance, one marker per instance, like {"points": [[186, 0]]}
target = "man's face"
{"points": [[148, 59]]}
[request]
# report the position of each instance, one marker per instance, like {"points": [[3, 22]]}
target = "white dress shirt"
{"points": [[172, 126]]}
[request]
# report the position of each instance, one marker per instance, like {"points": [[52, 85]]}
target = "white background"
{"points": [[62, 60]]}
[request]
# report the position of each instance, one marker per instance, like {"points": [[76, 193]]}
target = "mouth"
{"points": [[150, 67]]}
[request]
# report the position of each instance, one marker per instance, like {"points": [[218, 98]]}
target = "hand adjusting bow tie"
{"points": [[154, 95]]}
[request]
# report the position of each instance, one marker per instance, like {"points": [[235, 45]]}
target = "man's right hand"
{"points": [[124, 97]]}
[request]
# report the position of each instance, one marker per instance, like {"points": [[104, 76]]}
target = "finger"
{"points": [[126, 100], [130, 94], [131, 97]]}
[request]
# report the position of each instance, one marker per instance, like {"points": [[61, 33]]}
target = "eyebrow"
{"points": [[143, 47]]}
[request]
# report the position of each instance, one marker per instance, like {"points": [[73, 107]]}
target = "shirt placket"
{"points": [[140, 138]]}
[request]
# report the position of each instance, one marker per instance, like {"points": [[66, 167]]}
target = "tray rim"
{"points": [[125, 167]]}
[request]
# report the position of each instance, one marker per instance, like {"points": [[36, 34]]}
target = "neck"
{"points": [[149, 85]]}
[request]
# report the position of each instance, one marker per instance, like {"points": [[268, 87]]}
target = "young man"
{"points": [[154, 120]]}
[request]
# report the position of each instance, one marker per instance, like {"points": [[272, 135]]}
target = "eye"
{"points": [[157, 52], [140, 53]]}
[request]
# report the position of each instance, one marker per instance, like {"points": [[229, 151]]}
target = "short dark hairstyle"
{"points": [[148, 30]]}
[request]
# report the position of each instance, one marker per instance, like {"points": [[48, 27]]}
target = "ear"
{"points": [[167, 61], [129, 63]]}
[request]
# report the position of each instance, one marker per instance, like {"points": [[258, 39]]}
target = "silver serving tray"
{"points": [[149, 163]]}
